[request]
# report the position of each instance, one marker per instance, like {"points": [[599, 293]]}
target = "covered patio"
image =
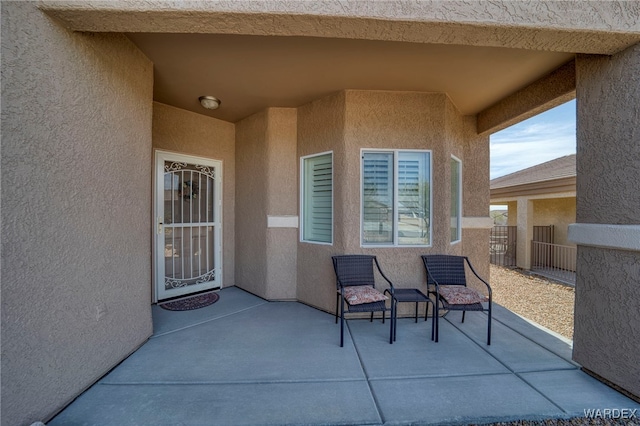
{"points": [[247, 361], [100, 103]]}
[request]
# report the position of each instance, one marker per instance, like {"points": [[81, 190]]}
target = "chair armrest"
{"points": [[435, 291], [435, 282], [480, 278], [390, 289]]}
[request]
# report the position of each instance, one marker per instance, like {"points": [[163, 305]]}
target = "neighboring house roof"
{"points": [[555, 176]]}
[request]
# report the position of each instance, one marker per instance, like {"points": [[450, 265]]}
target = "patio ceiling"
{"points": [[250, 73], [254, 55]]}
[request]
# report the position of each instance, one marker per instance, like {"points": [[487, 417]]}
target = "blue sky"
{"points": [[544, 137]]}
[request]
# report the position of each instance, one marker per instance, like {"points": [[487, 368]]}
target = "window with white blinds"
{"points": [[456, 199], [396, 198], [317, 198], [377, 198]]}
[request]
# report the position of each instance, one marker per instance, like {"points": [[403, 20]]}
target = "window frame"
{"points": [[459, 196], [395, 243], [303, 182]]}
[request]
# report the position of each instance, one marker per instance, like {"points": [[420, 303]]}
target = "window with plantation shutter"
{"points": [[396, 198], [317, 198], [377, 197]]}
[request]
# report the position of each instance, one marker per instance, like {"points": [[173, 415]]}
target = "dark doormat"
{"points": [[191, 303]]}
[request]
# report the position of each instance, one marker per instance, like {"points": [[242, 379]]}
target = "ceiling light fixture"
{"points": [[209, 102]]}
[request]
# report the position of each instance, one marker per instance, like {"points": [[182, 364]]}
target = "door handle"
{"points": [[160, 225]]}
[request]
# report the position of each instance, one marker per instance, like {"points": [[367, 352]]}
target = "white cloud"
{"points": [[537, 140]]}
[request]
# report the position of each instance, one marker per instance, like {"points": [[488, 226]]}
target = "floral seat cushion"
{"points": [[357, 295], [461, 295]]}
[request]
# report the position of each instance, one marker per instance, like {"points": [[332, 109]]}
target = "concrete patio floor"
{"points": [[246, 361]]}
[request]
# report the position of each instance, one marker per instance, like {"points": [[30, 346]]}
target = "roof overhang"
{"points": [[255, 55], [564, 187]]}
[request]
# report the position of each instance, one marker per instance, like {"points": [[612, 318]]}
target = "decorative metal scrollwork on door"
{"points": [[189, 230]]}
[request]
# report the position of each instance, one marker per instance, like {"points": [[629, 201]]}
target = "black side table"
{"points": [[413, 295]]}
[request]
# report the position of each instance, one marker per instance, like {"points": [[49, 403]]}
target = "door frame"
{"points": [[157, 227]]}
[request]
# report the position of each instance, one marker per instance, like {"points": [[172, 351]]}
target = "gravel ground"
{"points": [[540, 300]]}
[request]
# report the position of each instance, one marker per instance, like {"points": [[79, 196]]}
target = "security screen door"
{"points": [[188, 224]]}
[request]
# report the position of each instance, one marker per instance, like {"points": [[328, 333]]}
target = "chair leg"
{"points": [[463, 312], [433, 324], [337, 301], [392, 323], [489, 327], [371, 318], [437, 317], [342, 324], [394, 314], [416, 312]]}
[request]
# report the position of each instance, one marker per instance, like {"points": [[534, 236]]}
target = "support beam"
{"points": [[525, 232], [608, 204], [548, 92]]}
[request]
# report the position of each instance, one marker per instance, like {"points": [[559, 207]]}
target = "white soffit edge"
{"points": [[623, 237], [282, 221], [477, 222]]}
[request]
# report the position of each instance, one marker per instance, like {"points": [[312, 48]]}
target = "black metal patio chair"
{"points": [[447, 281], [355, 281]]}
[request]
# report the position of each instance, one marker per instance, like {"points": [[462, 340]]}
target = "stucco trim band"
{"points": [[282, 221], [477, 222], [623, 237]]}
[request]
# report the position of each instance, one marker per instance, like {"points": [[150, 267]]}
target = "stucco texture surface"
{"points": [[606, 316], [559, 212], [527, 25], [282, 187], [184, 132], [354, 120], [550, 91], [76, 191], [608, 116], [266, 258], [321, 129], [608, 166], [475, 196], [251, 204]]}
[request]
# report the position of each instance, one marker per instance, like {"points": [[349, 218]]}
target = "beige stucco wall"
{"points": [[399, 121], [352, 120], [525, 213], [475, 197], [608, 166], [266, 160], [321, 129], [282, 190], [76, 197], [185, 132], [603, 27], [77, 108], [251, 204], [559, 212], [512, 215]]}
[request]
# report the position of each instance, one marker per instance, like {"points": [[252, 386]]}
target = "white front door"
{"points": [[188, 228]]}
